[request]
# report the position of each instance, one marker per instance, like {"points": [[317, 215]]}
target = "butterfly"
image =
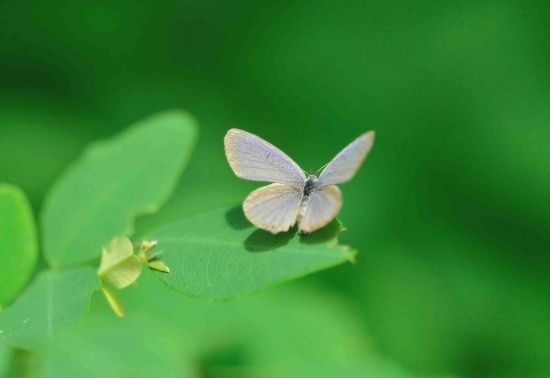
{"points": [[294, 197]]}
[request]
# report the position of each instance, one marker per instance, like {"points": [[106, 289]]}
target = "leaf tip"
{"points": [[113, 301]]}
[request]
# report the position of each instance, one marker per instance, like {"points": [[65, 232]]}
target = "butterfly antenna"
{"points": [[320, 169]]}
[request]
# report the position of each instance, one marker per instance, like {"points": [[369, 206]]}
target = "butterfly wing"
{"points": [[252, 158], [323, 205], [273, 207], [344, 166]]}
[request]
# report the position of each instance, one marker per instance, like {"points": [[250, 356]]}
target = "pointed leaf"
{"points": [[219, 255], [113, 301], [118, 265], [18, 244], [54, 302], [112, 183], [159, 265]]}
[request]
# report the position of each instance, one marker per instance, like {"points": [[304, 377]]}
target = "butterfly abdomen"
{"points": [[301, 212]]}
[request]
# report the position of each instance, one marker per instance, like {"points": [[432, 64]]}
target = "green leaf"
{"points": [[54, 302], [267, 335], [159, 265], [4, 358], [112, 183], [118, 265], [219, 255], [18, 242], [107, 347]]}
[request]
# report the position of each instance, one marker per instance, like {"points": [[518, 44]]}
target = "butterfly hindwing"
{"points": [[273, 207], [321, 207]]}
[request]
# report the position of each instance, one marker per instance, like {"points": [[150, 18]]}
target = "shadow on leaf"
{"points": [[262, 241], [236, 220], [323, 235]]}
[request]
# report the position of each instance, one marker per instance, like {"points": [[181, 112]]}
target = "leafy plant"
{"points": [[55, 301], [89, 213], [18, 240], [114, 181], [118, 264]]}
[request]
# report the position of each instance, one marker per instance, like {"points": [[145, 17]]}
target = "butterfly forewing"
{"points": [[323, 205], [252, 158], [274, 207], [344, 166]]}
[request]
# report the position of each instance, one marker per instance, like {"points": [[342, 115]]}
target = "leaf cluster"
{"points": [[90, 213]]}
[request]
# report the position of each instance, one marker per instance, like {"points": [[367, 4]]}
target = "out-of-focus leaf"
{"points": [[18, 244], [4, 358], [54, 302], [290, 330], [219, 255], [118, 264], [112, 183], [106, 347], [19, 363], [375, 368]]}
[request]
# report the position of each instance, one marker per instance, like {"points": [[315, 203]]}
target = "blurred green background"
{"points": [[450, 213]]}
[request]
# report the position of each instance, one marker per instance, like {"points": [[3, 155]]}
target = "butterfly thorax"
{"points": [[311, 185]]}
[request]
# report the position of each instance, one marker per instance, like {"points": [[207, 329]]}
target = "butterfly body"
{"points": [[292, 198], [310, 185]]}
